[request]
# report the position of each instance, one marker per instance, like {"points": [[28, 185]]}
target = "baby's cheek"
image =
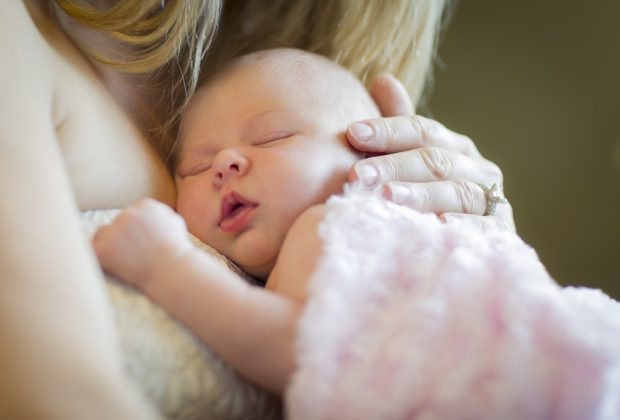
{"points": [[185, 212], [193, 214]]}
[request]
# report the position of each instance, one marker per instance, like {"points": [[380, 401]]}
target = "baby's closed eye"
{"points": [[193, 170], [273, 139]]}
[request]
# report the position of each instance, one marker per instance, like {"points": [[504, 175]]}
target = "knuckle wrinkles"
{"points": [[420, 129], [391, 169], [467, 196], [438, 162], [390, 132], [423, 197]]}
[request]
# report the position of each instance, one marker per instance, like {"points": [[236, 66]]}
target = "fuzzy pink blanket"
{"points": [[411, 318]]}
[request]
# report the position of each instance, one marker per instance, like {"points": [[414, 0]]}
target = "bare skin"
{"points": [[252, 177], [66, 144], [72, 137], [252, 328]]}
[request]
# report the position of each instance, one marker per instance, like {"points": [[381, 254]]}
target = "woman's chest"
{"points": [[104, 143]]}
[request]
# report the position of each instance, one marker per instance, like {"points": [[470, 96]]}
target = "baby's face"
{"points": [[256, 151]]}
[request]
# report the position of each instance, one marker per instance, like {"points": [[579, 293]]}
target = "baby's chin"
{"points": [[256, 253]]}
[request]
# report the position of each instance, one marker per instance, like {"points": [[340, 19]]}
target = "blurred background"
{"points": [[536, 84]]}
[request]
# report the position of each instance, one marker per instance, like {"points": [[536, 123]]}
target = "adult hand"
{"points": [[422, 164]]}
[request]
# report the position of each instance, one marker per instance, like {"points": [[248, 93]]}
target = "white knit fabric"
{"points": [[176, 371]]}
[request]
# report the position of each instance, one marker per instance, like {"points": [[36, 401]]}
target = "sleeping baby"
{"points": [[261, 148], [369, 310]]}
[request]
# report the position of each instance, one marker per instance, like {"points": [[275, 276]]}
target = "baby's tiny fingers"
{"points": [[102, 245]]}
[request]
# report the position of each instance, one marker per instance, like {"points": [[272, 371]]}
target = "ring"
{"points": [[494, 196]]}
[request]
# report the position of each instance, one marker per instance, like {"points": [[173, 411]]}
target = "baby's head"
{"points": [[259, 144]]}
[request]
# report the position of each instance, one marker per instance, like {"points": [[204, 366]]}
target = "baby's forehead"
{"points": [[309, 77], [296, 69]]}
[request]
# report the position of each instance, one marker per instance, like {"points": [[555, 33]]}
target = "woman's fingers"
{"points": [[396, 134], [463, 200], [391, 96], [441, 197], [425, 165], [438, 197]]}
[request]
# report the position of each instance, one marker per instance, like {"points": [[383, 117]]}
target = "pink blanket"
{"points": [[410, 318]]}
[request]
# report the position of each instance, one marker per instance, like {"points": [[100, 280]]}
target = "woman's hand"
{"points": [[424, 165], [140, 241]]}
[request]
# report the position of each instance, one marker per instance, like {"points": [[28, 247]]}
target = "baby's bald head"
{"points": [[338, 91]]}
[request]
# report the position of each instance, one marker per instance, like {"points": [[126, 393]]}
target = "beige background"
{"points": [[537, 85]]}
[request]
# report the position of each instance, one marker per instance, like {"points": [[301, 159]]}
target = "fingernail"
{"points": [[367, 174], [362, 132], [398, 194]]}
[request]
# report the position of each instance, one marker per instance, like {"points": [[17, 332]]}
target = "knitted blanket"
{"points": [[178, 373], [412, 318]]}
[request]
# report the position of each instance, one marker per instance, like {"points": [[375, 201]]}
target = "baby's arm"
{"points": [[251, 328]]}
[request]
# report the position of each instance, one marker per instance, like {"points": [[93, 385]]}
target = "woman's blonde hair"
{"points": [[167, 37], [368, 37]]}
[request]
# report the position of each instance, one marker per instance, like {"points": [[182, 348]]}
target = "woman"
{"points": [[83, 88]]}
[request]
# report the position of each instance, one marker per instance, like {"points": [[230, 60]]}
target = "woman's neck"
{"points": [[138, 94]]}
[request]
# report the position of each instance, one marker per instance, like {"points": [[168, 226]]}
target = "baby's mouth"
{"points": [[236, 212]]}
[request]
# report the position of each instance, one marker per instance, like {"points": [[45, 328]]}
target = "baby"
{"points": [[448, 323], [261, 148]]}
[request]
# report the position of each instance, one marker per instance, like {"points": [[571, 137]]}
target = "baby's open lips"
{"points": [[232, 204]]}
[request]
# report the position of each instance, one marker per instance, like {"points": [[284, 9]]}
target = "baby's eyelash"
{"points": [[196, 170], [200, 169], [282, 135]]}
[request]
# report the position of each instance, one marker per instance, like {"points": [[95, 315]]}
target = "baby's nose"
{"points": [[228, 163]]}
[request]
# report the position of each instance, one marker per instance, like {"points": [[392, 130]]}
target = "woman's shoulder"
{"points": [[50, 86], [23, 50], [21, 18]]}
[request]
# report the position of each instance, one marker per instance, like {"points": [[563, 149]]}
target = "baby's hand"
{"points": [[141, 240]]}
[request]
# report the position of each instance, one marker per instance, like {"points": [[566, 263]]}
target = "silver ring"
{"points": [[494, 196]]}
